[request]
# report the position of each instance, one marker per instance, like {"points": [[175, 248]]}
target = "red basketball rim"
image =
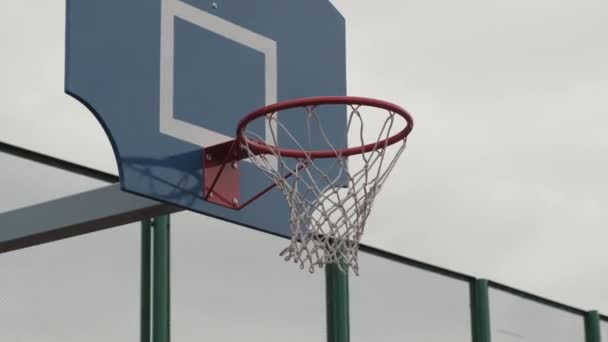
{"points": [[263, 148]]}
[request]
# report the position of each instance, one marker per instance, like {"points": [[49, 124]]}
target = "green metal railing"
{"points": [[592, 327], [155, 279], [337, 308], [480, 311]]}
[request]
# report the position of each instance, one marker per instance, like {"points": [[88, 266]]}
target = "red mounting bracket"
{"points": [[221, 175]]}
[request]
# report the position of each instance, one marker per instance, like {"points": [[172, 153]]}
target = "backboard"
{"points": [[168, 78]]}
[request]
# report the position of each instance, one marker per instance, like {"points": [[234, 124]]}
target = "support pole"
{"points": [[480, 311], [592, 327], [336, 291], [146, 283], [161, 299]]}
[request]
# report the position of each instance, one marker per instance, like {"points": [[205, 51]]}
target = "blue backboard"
{"points": [[168, 78]]}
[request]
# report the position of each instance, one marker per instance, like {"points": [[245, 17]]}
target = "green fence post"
{"points": [[161, 309], [592, 327], [146, 284], [336, 291], [480, 311]]}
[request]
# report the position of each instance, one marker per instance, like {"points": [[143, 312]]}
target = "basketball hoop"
{"points": [[329, 187]]}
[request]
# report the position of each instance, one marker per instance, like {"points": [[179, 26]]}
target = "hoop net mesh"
{"points": [[329, 199]]}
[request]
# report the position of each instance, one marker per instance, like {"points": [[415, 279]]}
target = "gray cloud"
{"points": [[504, 177]]}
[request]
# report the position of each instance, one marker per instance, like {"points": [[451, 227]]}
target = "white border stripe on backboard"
{"points": [[184, 130]]}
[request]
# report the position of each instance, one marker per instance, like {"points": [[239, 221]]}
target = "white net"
{"points": [[330, 199]]}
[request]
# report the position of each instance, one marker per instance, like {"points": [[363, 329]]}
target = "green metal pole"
{"points": [[592, 327], [336, 291], [161, 276], [146, 284], [480, 311]]}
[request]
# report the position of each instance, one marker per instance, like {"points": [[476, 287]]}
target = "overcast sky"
{"points": [[504, 177]]}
